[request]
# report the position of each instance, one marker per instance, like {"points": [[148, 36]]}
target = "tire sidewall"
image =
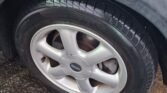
{"points": [[56, 15]]}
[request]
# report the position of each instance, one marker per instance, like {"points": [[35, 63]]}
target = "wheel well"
{"points": [[9, 13], [157, 37], [12, 9]]}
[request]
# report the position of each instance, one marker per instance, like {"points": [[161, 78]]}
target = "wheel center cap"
{"points": [[75, 67]]}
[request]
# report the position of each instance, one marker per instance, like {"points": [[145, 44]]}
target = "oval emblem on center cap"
{"points": [[75, 67]]}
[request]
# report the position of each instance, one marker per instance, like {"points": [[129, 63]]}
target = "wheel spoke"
{"points": [[103, 77], [98, 55], [49, 51], [68, 38], [65, 75], [85, 86], [46, 64], [57, 71]]}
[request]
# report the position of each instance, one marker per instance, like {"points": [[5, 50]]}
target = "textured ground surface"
{"points": [[158, 86], [16, 79]]}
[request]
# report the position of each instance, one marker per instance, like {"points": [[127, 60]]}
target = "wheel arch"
{"points": [[151, 12]]}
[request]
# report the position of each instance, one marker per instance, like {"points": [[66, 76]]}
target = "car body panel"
{"points": [[1, 1], [153, 10]]}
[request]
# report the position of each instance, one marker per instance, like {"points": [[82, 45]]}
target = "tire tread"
{"points": [[134, 33]]}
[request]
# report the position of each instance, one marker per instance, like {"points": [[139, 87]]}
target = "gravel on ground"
{"points": [[17, 79]]}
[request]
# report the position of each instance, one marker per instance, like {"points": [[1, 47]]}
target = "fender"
{"points": [[155, 12], [152, 10]]}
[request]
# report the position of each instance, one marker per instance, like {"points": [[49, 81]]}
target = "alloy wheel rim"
{"points": [[77, 67]]}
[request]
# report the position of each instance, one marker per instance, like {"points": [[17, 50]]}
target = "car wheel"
{"points": [[86, 46]]}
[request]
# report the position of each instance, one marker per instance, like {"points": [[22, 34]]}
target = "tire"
{"points": [[104, 18]]}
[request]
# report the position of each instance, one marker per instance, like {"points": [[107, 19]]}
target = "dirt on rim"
{"points": [[17, 79]]}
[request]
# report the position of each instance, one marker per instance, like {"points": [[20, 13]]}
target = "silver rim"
{"points": [[58, 54]]}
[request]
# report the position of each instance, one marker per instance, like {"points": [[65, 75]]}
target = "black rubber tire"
{"points": [[108, 20]]}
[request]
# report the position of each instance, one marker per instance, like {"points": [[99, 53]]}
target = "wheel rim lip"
{"points": [[47, 29]]}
